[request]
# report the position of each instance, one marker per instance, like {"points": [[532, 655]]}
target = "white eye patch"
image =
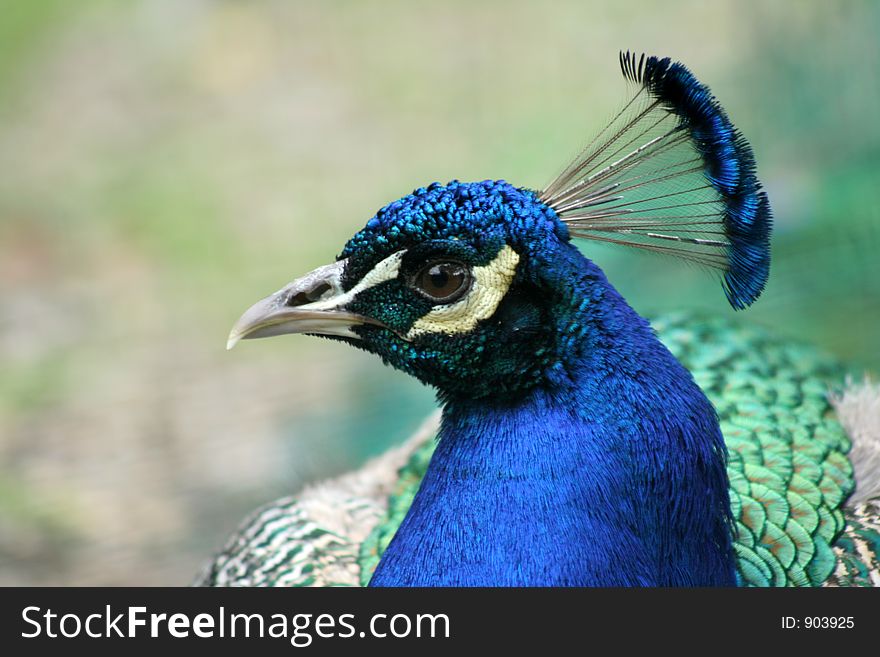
{"points": [[490, 284]]}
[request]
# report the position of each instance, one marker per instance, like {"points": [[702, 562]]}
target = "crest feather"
{"points": [[672, 175]]}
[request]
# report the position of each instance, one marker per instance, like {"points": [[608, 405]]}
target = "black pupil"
{"points": [[442, 280], [439, 277]]}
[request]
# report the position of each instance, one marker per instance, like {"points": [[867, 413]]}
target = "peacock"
{"points": [[577, 443]]}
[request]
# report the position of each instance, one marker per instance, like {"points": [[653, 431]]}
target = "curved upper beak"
{"points": [[314, 303]]}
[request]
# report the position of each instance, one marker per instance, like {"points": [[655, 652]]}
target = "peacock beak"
{"points": [[314, 303]]}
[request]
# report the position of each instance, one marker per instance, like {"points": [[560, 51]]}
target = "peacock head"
{"points": [[449, 284], [476, 288]]}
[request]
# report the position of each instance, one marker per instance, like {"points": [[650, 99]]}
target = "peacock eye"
{"points": [[442, 282]]}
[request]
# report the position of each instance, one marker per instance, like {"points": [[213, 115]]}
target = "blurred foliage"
{"points": [[167, 163]]}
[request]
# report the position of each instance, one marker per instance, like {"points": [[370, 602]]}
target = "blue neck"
{"points": [[611, 474]]}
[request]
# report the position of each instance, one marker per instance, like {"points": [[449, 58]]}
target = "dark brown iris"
{"points": [[443, 282]]}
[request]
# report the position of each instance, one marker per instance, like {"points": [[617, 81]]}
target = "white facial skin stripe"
{"points": [[384, 271], [490, 284]]}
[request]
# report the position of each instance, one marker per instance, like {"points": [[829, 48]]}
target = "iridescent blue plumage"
{"points": [[565, 417], [484, 212], [574, 448]]}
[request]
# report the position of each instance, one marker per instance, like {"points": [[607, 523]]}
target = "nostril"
{"points": [[318, 291], [299, 299], [308, 296]]}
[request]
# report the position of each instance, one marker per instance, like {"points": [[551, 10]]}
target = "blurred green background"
{"points": [[163, 164]]}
